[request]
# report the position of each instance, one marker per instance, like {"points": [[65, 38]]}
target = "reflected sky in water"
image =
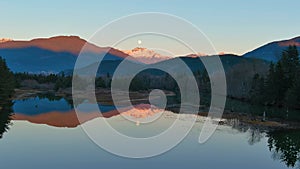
{"points": [[30, 145]]}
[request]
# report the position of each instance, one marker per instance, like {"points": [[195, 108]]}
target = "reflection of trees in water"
{"points": [[5, 116], [49, 96], [285, 146], [53, 97], [7, 84], [255, 136]]}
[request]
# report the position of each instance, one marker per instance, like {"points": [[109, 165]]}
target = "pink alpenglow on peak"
{"points": [[145, 55], [5, 40]]}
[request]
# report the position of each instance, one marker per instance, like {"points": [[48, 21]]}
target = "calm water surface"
{"points": [[37, 139]]}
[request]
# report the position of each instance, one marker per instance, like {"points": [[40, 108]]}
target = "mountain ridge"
{"points": [[272, 51], [59, 53], [71, 44]]}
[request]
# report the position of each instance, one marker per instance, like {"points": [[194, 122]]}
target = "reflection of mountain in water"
{"points": [[70, 118], [284, 145]]}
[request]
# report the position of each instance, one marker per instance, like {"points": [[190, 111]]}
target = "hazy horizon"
{"points": [[257, 23]]}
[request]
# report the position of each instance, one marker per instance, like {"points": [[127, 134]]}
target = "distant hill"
{"points": [[239, 71], [68, 44], [52, 55], [105, 67], [56, 54], [272, 51]]}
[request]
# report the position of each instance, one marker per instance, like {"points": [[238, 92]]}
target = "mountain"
{"points": [[272, 51], [52, 55], [57, 54], [104, 68], [5, 40], [70, 118], [145, 55], [68, 44]]}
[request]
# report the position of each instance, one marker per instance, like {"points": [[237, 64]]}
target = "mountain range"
{"points": [[56, 54], [272, 51], [52, 55]]}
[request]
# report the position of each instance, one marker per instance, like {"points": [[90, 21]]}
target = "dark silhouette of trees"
{"points": [[281, 85], [293, 94], [286, 144], [290, 64], [63, 82], [7, 85], [40, 78], [257, 89], [99, 82], [7, 81], [5, 115]]}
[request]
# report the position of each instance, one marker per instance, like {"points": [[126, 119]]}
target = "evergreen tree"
{"points": [[7, 84], [257, 89], [270, 81], [290, 64], [279, 86], [7, 81], [5, 116], [99, 82], [293, 94]]}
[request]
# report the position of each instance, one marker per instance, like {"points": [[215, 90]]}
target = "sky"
{"points": [[233, 26]]}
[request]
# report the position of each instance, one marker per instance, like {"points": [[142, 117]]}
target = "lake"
{"points": [[45, 134]]}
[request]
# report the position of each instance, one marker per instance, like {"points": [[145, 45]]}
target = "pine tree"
{"points": [[7, 81], [291, 67], [257, 89], [293, 94], [282, 85], [7, 84], [279, 85], [290, 64], [269, 90]]}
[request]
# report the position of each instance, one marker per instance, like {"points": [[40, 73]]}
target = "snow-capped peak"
{"points": [[146, 55], [5, 40]]}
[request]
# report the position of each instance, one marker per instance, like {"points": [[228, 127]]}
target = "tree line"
{"points": [[143, 81], [281, 86], [7, 86]]}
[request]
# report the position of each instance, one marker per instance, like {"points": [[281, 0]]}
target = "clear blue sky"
{"points": [[234, 26]]}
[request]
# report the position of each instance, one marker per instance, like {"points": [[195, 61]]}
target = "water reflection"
{"points": [[139, 113], [5, 116], [255, 136], [285, 146]]}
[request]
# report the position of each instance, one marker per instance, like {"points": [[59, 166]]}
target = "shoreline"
{"points": [[244, 119]]}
